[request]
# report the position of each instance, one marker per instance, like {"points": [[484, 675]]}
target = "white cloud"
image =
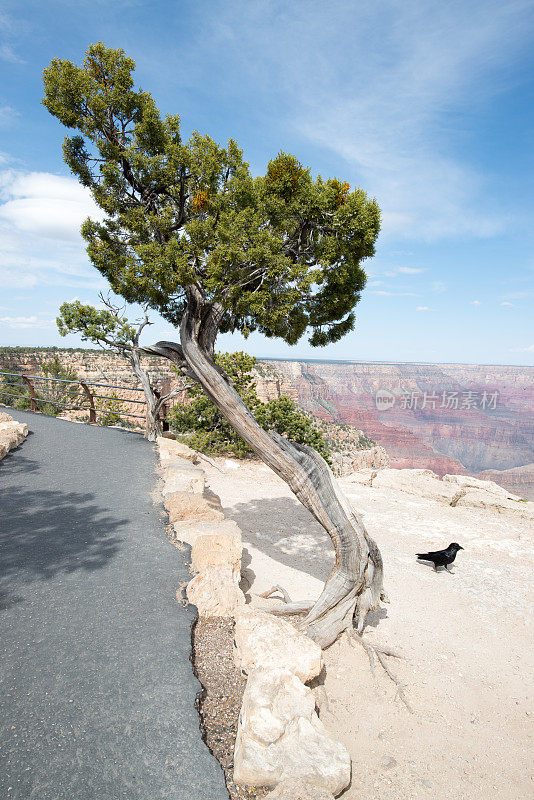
{"points": [[475, 303], [424, 308], [394, 272], [40, 242], [7, 31], [518, 295], [32, 322], [384, 293], [409, 66], [46, 205], [438, 287], [378, 84], [9, 27], [529, 349], [506, 304], [7, 115]]}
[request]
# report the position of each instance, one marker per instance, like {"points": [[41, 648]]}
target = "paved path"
{"points": [[96, 689]]}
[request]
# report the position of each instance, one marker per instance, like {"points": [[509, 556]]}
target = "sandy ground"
{"points": [[465, 637]]}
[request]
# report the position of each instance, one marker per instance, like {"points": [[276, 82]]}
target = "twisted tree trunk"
{"points": [[355, 583]]}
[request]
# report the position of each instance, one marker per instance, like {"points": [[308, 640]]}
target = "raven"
{"points": [[442, 558]]}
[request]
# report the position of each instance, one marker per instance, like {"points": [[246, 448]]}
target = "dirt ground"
{"points": [[465, 638], [220, 702]]}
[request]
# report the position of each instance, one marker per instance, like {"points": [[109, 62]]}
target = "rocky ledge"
{"points": [[451, 490]]}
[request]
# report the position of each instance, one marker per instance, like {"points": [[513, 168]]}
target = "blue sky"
{"points": [[428, 106]]}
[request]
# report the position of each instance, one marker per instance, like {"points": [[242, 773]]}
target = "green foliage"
{"points": [[340, 436], [59, 395], [14, 392], [283, 416], [208, 431], [364, 442], [280, 253], [51, 394], [111, 407], [99, 326]]}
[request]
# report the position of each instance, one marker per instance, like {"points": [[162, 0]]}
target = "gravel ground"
{"points": [[220, 702]]}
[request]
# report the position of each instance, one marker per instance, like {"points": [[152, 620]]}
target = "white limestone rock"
{"points": [[182, 476], [169, 449], [479, 498], [421, 482], [262, 639], [364, 477], [188, 531], [12, 433], [467, 482], [280, 736], [17, 429], [215, 592], [188, 507], [220, 545], [299, 789]]}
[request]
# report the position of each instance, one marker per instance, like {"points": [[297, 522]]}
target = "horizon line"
{"points": [[295, 359]]}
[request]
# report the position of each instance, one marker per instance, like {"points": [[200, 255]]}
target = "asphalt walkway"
{"points": [[97, 695]]}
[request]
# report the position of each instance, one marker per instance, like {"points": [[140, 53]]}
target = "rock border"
{"points": [[12, 433], [281, 743]]}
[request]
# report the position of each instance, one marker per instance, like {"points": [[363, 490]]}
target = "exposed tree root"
{"points": [[301, 607], [292, 608], [380, 653], [373, 650], [275, 589]]}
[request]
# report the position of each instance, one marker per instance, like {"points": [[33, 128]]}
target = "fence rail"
{"points": [[41, 394]]}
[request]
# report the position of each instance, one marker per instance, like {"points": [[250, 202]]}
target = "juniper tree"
{"points": [[190, 232], [109, 329]]}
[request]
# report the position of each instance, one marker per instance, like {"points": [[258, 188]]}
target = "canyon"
{"points": [[450, 418]]}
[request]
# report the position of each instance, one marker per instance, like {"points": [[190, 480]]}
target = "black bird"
{"points": [[442, 558]]}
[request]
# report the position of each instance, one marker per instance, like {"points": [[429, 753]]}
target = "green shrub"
{"points": [[111, 407], [14, 392], [205, 429]]}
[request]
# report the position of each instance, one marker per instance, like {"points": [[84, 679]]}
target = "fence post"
{"points": [[92, 410], [33, 398]]}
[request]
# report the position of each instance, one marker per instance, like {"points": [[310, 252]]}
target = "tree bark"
{"points": [[152, 423], [355, 583]]}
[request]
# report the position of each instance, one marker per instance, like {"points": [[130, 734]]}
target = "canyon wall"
{"points": [[450, 418]]}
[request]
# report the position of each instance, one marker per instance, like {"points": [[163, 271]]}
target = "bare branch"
{"points": [[142, 324], [209, 460]]}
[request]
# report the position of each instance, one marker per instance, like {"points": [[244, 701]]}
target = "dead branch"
{"points": [[209, 460]]}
